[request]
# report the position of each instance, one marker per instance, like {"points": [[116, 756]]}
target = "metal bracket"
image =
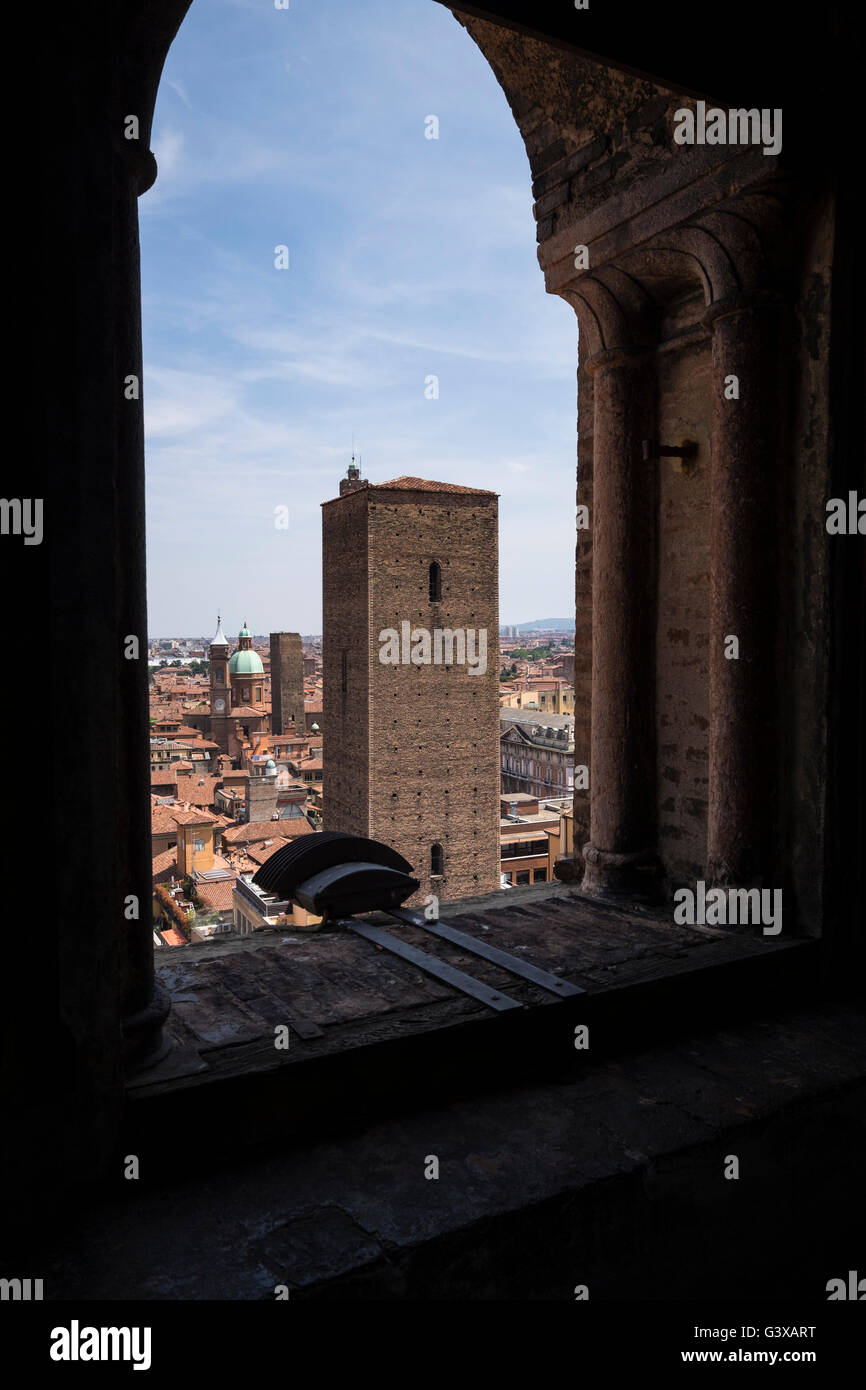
{"points": [[491, 953], [440, 968]]}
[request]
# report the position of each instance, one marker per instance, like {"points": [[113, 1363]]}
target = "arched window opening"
{"points": [[435, 582]]}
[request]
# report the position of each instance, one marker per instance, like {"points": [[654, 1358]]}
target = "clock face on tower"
{"points": [[219, 705]]}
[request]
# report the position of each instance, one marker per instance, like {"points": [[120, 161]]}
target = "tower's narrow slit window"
{"points": [[435, 582], [437, 860]]}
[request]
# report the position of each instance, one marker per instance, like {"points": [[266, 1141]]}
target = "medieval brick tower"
{"points": [[411, 717], [287, 681], [220, 689]]}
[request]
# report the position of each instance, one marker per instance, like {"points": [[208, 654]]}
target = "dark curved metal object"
{"points": [[359, 887], [310, 855]]}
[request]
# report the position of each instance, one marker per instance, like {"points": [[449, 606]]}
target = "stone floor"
{"points": [[613, 1178]]}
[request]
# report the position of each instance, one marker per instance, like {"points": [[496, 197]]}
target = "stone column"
{"points": [[744, 599], [623, 523], [144, 1005]]}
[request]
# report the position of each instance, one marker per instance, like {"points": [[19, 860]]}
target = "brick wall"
{"points": [[287, 680], [346, 665], [412, 751]]}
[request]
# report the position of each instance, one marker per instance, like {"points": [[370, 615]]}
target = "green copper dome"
{"points": [[246, 663], [245, 632]]}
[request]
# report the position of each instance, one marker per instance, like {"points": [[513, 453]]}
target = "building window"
{"points": [[539, 876], [258, 692], [437, 861], [219, 676], [523, 849], [523, 878], [435, 582], [198, 846]]}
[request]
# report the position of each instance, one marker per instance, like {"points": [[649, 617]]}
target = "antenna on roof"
{"points": [[354, 470]]}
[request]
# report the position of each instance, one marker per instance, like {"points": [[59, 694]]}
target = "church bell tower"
{"points": [[220, 688]]}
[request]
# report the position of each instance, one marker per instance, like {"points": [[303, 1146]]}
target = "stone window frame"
{"points": [[161, 25]]}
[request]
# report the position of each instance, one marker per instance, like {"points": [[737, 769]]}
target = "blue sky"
{"points": [[408, 258]]}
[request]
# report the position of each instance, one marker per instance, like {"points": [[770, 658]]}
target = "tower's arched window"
{"points": [[435, 582], [437, 860]]}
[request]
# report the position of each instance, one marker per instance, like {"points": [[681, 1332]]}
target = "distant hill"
{"points": [[541, 624]]}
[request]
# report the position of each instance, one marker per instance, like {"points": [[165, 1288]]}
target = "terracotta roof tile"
{"points": [[267, 830], [164, 777], [199, 790], [172, 937], [260, 853], [192, 815], [165, 865], [218, 895], [406, 484], [162, 821]]}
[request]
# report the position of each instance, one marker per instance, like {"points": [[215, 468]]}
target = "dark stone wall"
{"points": [[607, 174], [287, 681], [434, 731], [345, 665], [68, 970]]}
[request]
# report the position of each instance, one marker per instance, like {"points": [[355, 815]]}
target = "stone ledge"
{"points": [[613, 1178]]}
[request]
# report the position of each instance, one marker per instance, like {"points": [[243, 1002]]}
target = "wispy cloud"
{"points": [[408, 258], [179, 89]]}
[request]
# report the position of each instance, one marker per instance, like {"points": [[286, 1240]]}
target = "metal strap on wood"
{"points": [[493, 998], [543, 978]]}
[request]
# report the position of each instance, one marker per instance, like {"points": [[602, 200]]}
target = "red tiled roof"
{"points": [[260, 853], [163, 777], [218, 895], [162, 821], [406, 484], [267, 830], [172, 937], [192, 815], [165, 865], [242, 864], [199, 790]]}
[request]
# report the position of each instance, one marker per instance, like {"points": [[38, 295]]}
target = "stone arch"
{"points": [[679, 255]]}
